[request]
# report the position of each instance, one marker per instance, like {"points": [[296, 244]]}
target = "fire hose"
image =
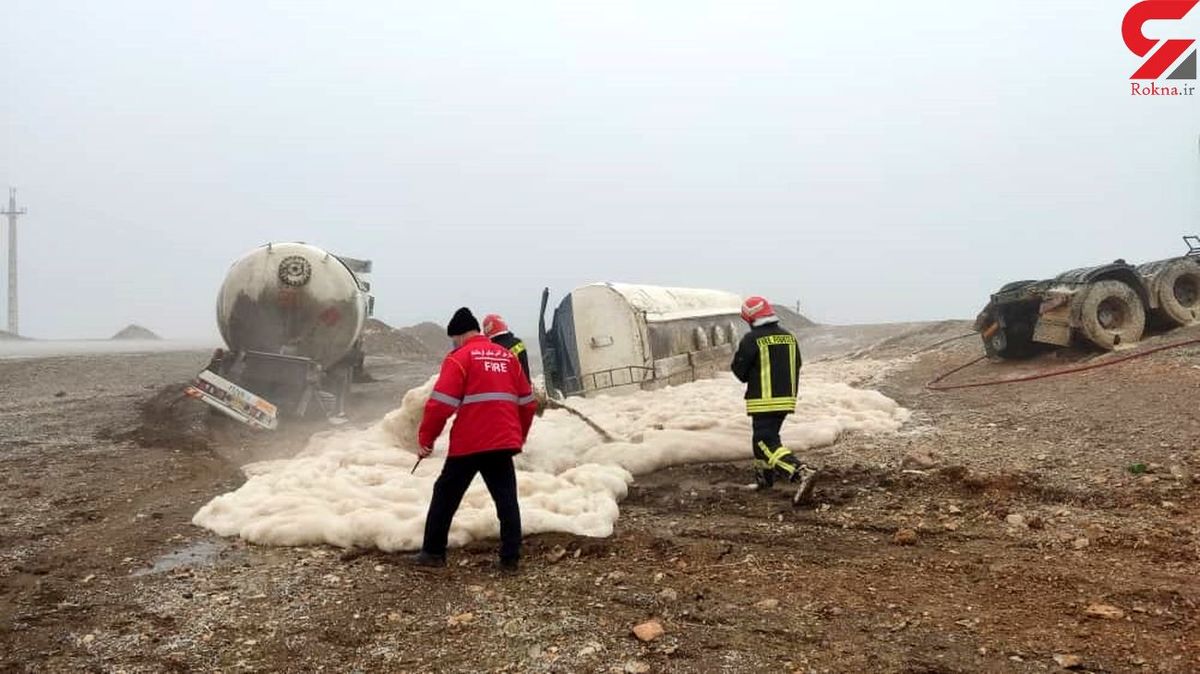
{"points": [[937, 385], [559, 405]]}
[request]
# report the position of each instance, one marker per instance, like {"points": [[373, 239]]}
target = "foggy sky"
{"points": [[876, 161]]}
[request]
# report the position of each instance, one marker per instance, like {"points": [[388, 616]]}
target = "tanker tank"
{"points": [[292, 315], [611, 338], [292, 299]]}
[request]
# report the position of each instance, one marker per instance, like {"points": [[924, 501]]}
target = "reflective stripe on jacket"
{"points": [[768, 361], [482, 385], [516, 347]]}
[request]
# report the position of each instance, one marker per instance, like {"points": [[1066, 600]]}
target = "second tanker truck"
{"points": [[292, 316]]}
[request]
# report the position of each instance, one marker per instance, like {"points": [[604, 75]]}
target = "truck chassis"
{"points": [[1108, 306]]}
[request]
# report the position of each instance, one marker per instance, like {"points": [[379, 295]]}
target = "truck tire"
{"points": [[1179, 293], [1112, 315], [1007, 331]]}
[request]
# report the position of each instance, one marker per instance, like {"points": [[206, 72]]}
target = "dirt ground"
{"points": [[1017, 528]]}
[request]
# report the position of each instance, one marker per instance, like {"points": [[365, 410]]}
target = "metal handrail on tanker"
{"points": [[595, 377]]}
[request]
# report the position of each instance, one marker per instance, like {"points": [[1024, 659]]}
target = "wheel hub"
{"points": [[1111, 314], [1186, 291]]}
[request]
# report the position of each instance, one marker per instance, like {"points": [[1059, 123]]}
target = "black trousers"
{"points": [[770, 456], [498, 473]]}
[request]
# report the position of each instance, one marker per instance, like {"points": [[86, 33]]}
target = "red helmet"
{"points": [[494, 325], [755, 308]]}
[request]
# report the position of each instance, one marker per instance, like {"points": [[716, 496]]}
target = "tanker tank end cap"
{"points": [[462, 323]]}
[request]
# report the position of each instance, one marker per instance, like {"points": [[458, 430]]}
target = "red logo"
{"points": [[1170, 51]]}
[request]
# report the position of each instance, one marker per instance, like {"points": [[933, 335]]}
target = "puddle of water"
{"points": [[200, 553]]}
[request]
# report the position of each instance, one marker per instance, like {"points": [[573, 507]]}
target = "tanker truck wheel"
{"points": [[1179, 294], [1112, 315]]}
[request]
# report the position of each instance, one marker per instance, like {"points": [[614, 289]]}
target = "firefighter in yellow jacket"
{"points": [[768, 361], [497, 330]]}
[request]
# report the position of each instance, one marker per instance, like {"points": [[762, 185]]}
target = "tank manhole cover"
{"points": [[295, 271]]}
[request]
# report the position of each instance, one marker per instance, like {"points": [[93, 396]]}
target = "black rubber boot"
{"points": [[805, 478], [428, 560]]}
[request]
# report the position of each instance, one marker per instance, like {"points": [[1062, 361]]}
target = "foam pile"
{"points": [[353, 488]]}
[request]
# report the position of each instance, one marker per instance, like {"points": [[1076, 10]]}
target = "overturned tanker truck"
{"points": [[1108, 305], [617, 337], [292, 316]]}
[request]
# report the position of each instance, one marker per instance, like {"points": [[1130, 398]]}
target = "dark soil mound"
{"points": [[419, 341], [170, 419]]}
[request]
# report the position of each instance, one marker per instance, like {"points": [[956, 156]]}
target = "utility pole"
{"points": [[13, 213]]}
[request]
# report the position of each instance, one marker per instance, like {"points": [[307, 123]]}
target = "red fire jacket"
{"points": [[483, 383]]}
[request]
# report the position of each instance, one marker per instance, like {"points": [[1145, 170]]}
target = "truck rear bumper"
{"points": [[233, 400]]}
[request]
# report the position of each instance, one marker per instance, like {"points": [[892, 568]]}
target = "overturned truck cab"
{"points": [[1108, 306], [617, 337]]}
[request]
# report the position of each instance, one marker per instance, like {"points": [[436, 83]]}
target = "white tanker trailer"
{"points": [[292, 316], [618, 337]]}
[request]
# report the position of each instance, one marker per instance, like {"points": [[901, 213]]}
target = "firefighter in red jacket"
{"points": [[483, 385]]}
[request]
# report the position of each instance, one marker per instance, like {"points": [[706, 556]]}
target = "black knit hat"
{"points": [[462, 323]]}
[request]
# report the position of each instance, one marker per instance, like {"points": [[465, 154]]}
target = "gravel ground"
{"points": [[1002, 530]]}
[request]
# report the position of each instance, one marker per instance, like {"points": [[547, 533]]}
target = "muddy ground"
{"points": [[1005, 527]]}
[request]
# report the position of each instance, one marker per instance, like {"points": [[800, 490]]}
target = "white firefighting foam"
{"points": [[354, 489]]}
